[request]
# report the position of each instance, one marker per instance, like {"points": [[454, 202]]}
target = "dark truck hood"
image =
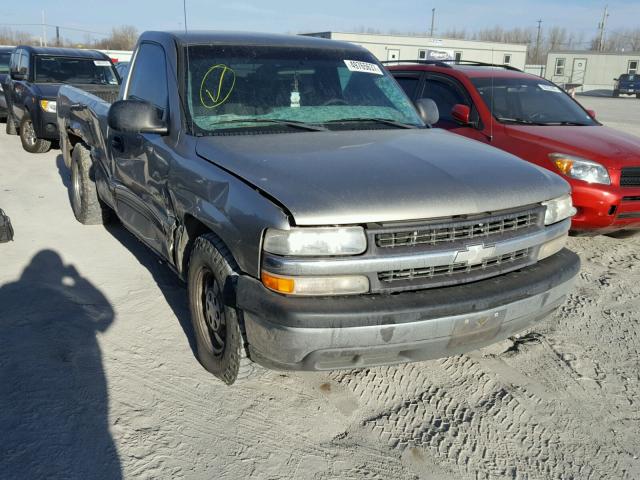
{"points": [[50, 90], [351, 177]]}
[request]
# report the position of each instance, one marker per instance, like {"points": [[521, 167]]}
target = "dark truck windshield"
{"points": [[4, 62], [530, 101], [260, 88], [53, 69], [627, 77]]}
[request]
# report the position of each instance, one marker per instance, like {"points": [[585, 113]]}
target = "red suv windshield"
{"points": [[530, 101]]}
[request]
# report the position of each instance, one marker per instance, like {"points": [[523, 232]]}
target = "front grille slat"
{"points": [[630, 177], [465, 230], [455, 269]]}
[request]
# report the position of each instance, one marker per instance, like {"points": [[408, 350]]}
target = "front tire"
{"points": [[30, 142], [10, 127], [616, 93], [87, 207], [218, 327]]}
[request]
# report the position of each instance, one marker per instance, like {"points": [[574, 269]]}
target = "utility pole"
{"points": [[433, 21], [57, 36], [602, 26], [44, 30], [538, 41]]}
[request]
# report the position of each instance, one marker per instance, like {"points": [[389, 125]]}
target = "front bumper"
{"points": [[605, 208], [46, 126], [297, 333]]}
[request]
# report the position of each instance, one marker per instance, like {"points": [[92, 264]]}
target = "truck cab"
{"points": [[627, 84]]}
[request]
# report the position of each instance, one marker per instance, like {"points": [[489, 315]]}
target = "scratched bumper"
{"points": [[352, 332]]}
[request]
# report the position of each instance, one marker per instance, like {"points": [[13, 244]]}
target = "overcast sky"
{"points": [[294, 16]]}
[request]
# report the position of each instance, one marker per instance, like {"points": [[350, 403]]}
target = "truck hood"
{"points": [[349, 177], [612, 148]]}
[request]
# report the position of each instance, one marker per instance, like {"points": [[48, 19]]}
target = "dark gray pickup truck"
{"points": [[318, 222]]}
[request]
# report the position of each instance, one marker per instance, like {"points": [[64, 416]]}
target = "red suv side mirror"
{"points": [[461, 113], [592, 113]]}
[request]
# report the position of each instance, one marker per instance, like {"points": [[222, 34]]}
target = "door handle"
{"points": [[117, 143]]}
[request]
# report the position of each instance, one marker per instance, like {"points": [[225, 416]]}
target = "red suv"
{"points": [[537, 121]]}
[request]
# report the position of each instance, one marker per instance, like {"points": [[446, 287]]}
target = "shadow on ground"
{"points": [[53, 390], [597, 93]]}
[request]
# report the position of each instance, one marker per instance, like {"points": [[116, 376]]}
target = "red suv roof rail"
{"points": [[450, 63]]}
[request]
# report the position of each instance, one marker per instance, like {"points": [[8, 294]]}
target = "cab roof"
{"points": [[65, 52], [208, 37], [470, 69]]}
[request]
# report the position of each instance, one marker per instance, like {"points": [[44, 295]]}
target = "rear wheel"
{"points": [[30, 142], [87, 207], [218, 328]]}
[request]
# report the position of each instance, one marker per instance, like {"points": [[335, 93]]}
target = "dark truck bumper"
{"points": [[46, 126], [292, 333]]}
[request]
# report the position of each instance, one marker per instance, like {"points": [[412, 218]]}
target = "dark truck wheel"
{"points": [[87, 207], [218, 328], [616, 93], [30, 142], [10, 127]]}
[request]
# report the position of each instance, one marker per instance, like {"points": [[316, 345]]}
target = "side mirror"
{"points": [[135, 116], [428, 111], [461, 113], [19, 74], [592, 113], [615, 79]]}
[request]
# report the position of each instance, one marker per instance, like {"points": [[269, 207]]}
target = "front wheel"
{"points": [[637, 95], [217, 326], [30, 142], [10, 127], [616, 93]]}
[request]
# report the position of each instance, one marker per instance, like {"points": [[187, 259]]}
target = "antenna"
{"points": [[493, 92]]}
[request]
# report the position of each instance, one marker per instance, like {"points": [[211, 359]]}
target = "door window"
{"points": [[633, 67], [560, 62], [149, 77], [409, 84], [446, 95]]}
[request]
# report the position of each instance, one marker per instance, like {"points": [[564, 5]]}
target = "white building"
{"points": [[590, 70], [406, 47]]}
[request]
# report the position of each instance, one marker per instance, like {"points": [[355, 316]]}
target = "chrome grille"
{"points": [[458, 231], [501, 262]]}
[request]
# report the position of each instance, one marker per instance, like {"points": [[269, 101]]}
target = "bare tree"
{"points": [[121, 38]]}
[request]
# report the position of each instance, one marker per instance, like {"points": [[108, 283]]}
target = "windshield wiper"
{"points": [[566, 122], [289, 123], [386, 121], [520, 121]]}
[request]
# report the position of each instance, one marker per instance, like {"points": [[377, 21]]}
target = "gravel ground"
{"points": [[98, 377]]}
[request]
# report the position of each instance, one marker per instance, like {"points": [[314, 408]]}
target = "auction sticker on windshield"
{"points": [[549, 88], [364, 67], [102, 63]]}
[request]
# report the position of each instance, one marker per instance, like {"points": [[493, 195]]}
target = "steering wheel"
{"points": [[334, 101]]}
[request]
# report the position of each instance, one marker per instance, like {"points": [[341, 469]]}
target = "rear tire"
{"points": [[86, 205], [10, 127], [221, 345], [30, 142]]}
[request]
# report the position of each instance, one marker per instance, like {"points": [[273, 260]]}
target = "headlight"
{"points": [[558, 209], [580, 168], [322, 241], [314, 286], [48, 105]]}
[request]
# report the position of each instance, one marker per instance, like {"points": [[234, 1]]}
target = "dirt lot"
{"points": [[98, 378]]}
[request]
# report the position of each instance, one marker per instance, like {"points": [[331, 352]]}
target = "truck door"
{"points": [[141, 161], [19, 87]]}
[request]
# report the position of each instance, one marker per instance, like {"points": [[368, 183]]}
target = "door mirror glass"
{"points": [[592, 113], [135, 116], [20, 74], [461, 114], [428, 111]]}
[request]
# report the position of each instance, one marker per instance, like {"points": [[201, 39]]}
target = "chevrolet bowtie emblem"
{"points": [[474, 254]]}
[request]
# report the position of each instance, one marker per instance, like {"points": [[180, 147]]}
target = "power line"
{"points": [[62, 27]]}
